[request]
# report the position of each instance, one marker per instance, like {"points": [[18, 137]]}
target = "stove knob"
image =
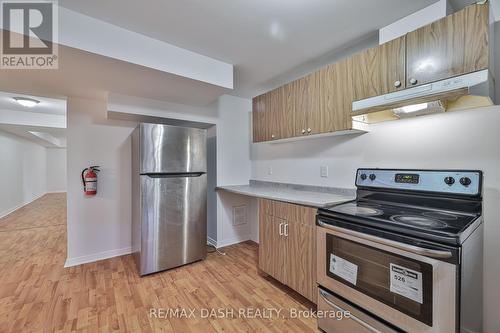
{"points": [[372, 177], [449, 181], [465, 181], [363, 176]]}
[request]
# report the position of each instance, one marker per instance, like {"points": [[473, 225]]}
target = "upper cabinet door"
{"points": [[454, 45], [379, 70], [258, 118], [306, 101], [335, 97], [262, 117], [274, 111], [287, 115]]}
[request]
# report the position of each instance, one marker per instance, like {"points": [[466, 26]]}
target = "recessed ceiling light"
{"points": [[27, 102]]}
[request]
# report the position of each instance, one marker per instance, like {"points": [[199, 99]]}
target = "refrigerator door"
{"points": [[174, 221], [171, 149]]}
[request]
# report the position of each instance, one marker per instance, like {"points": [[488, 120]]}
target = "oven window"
{"points": [[402, 283]]}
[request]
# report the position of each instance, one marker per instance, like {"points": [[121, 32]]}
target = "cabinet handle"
{"points": [[308, 130], [286, 230], [303, 131], [281, 229], [413, 81], [397, 84]]}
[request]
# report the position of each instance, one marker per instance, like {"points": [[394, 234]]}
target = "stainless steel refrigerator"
{"points": [[169, 196]]}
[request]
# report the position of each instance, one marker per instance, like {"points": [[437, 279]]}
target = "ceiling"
{"points": [[46, 105], [50, 137], [262, 38], [87, 75]]}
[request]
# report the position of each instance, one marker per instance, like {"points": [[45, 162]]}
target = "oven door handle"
{"points": [[369, 327], [406, 247]]}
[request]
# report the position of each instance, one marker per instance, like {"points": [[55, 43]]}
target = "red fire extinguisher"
{"points": [[89, 179]]}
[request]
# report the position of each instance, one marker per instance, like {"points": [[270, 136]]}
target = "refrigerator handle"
{"points": [[173, 174]]}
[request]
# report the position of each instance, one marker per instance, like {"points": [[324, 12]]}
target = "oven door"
{"points": [[414, 292]]}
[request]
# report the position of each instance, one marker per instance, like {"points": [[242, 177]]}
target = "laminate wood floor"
{"points": [[37, 294]]}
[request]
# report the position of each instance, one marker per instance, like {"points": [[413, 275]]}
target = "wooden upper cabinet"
{"points": [[454, 45], [379, 70], [274, 111], [258, 123], [335, 101], [322, 101], [477, 21], [283, 110], [273, 114], [306, 101], [287, 125]]}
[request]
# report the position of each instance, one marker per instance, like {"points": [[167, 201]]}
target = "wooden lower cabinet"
{"points": [[301, 260], [287, 249], [274, 249]]}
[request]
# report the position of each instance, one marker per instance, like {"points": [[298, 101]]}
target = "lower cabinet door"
{"points": [[280, 251], [273, 249], [301, 259]]}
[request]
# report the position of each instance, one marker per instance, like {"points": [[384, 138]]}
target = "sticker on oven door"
{"points": [[406, 282], [343, 268]]}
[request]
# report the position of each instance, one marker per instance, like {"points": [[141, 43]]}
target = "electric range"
{"points": [[406, 254], [438, 222]]}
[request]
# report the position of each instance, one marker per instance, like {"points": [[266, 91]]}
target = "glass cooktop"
{"points": [[401, 217]]}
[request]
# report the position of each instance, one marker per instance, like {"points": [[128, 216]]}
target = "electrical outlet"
{"points": [[323, 171], [270, 170]]}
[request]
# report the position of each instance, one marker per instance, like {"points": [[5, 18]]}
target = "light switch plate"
{"points": [[323, 171]]}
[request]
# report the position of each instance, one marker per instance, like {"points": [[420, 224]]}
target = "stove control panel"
{"points": [[442, 181]]}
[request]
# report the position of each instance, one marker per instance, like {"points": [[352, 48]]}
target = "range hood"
{"points": [[477, 84]]}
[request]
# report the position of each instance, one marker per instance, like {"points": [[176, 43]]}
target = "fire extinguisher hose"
{"points": [[83, 176]]}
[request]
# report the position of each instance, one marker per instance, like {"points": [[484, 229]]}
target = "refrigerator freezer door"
{"points": [[174, 221], [171, 149]]}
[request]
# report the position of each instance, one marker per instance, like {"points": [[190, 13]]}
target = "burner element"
{"points": [[419, 221], [360, 210]]}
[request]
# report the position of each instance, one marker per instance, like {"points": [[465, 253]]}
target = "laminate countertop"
{"points": [[314, 196]]}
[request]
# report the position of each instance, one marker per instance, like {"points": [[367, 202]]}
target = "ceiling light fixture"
{"points": [[26, 102]]}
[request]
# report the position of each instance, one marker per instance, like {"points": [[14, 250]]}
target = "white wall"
{"points": [[56, 169], [98, 227], [211, 185], [22, 172], [462, 140], [233, 168]]}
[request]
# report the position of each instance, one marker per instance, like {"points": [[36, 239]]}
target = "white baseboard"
{"points": [[232, 241], [254, 238], [211, 241], [97, 256], [56, 192], [12, 210]]}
